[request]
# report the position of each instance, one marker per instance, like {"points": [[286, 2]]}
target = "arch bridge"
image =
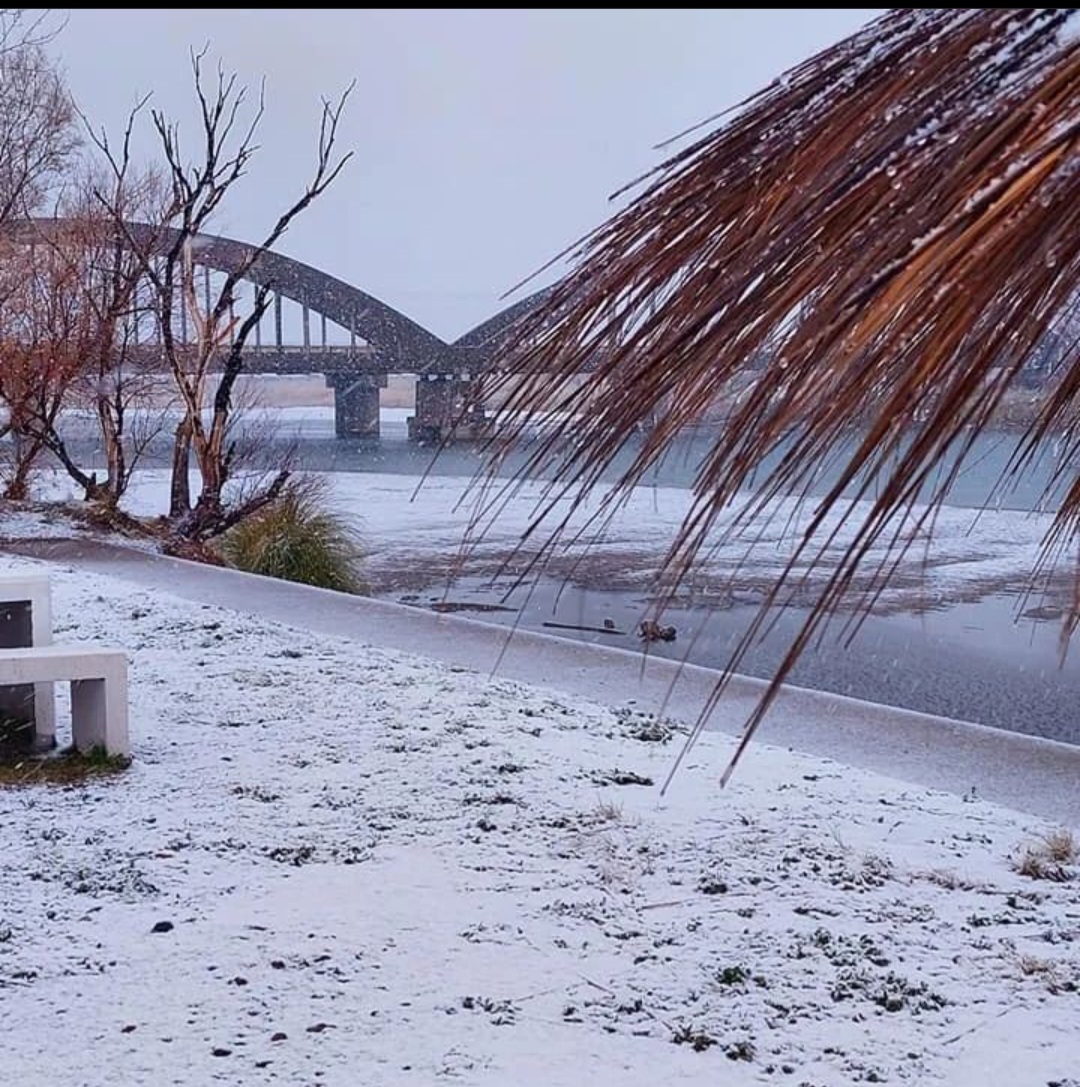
{"points": [[332, 328]]}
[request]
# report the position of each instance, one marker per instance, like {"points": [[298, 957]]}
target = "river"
{"points": [[977, 659]]}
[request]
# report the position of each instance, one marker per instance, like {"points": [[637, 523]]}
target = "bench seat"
{"points": [[26, 619], [98, 678]]}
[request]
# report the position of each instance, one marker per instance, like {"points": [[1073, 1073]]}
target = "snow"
{"points": [[383, 870], [1069, 32]]}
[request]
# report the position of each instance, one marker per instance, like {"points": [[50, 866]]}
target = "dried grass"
{"points": [[1053, 857], [880, 239], [66, 767]]}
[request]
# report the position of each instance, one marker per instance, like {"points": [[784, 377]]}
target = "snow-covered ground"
{"points": [[376, 869]]}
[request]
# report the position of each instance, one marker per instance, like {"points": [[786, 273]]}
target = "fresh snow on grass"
{"points": [[377, 869]]}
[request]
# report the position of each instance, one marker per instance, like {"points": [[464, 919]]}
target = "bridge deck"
{"points": [[332, 359]]}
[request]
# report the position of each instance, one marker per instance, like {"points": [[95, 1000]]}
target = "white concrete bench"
{"points": [[98, 677], [25, 620]]}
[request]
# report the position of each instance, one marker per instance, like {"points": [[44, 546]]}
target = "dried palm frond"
{"points": [[882, 236]]}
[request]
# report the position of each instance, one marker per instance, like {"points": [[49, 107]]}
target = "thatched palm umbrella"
{"points": [[893, 225]]}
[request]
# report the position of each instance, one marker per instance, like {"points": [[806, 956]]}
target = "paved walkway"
{"points": [[1022, 772]]}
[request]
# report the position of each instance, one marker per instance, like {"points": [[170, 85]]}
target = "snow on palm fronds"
{"points": [[882, 236]]}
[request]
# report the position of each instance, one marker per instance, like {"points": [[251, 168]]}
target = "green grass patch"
{"points": [[299, 537], [66, 767]]}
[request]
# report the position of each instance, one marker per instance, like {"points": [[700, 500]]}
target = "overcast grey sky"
{"points": [[485, 140]]}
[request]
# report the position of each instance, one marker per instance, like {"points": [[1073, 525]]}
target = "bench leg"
{"points": [[17, 714], [44, 716], [26, 622], [99, 712]]}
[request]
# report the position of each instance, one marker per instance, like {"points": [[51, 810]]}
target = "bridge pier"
{"points": [[447, 405], [356, 404]]}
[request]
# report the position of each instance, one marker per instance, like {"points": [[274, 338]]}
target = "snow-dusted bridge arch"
{"points": [[372, 338]]}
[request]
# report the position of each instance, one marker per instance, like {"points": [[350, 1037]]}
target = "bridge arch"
{"points": [[446, 373], [489, 336], [394, 343], [398, 340]]}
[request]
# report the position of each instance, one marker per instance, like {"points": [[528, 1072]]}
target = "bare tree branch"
{"points": [[37, 121], [169, 260], [19, 29]]}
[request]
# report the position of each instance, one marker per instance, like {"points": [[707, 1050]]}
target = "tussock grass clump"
{"points": [[299, 537], [1055, 856], [1061, 847], [950, 880]]}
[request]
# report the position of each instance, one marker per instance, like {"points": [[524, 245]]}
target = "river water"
{"points": [[308, 434], [979, 483], [978, 660]]}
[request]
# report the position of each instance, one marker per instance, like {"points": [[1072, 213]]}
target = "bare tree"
{"points": [[206, 368], [122, 380], [72, 275], [37, 139], [43, 335], [38, 129]]}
